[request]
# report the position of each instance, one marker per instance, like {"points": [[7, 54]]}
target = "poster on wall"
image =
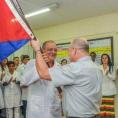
{"points": [[62, 52], [100, 46]]}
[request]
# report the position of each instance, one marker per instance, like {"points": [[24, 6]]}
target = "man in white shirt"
{"points": [[43, 98], [82, 80]]}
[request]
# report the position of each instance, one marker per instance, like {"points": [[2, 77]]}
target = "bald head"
{"points": [[81, 43]]}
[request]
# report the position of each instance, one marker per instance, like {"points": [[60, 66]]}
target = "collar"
{"points": [[85, 58]]}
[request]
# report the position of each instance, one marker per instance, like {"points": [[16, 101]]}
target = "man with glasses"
{"points": [[43, 98]]}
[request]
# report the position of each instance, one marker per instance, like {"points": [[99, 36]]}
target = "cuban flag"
{"points": [[14, 30]]}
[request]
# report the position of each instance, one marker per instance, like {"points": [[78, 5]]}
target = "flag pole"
{"points": [[21, 14]]}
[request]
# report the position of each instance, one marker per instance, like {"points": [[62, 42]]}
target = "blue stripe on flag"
{"points": [[6, 48]]}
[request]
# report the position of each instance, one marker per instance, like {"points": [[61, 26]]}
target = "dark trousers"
{"points": [[24, 107], [2, 113]]}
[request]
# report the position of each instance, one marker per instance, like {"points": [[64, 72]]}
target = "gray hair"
{"points": [[44, 44], [81, 43]]}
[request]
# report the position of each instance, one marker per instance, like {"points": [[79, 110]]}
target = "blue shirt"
{"points": [[82, 81]]}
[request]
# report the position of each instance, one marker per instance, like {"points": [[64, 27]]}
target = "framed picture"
{"points": [[100, 46]]}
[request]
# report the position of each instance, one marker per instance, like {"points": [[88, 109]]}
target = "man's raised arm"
{"points": [[41, 65]]}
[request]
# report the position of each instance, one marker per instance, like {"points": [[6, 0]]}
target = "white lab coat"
{"points": [[20, 70], [1, 98], [1, 95], [12, 92], [108, 85], [43, 99]]}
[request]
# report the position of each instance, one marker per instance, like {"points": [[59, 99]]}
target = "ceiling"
{"points": [[68, 10]]}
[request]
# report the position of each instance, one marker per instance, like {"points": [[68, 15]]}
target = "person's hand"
{"points": [[18, 82], [5, 84], [45, 57], [35, 44]]}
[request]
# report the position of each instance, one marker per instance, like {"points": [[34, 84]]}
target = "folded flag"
{"points": [[14, 31]]}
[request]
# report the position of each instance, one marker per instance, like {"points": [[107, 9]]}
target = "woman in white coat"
{"points": [[12, 92], [1, 93], [3, 70], [108, 88]]}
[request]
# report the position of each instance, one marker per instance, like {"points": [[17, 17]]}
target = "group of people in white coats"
{"points": [[11, 92], [84, 84], [10, 89]]}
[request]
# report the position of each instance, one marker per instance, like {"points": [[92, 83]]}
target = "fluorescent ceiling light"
{"points": [[43, 10], [37, 12]]}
